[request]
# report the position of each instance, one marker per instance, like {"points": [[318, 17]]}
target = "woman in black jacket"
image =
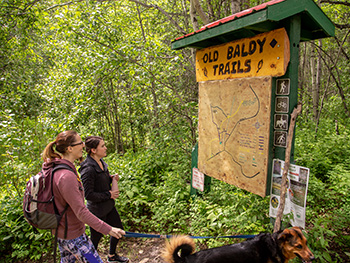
{"points": [[98, 193]]}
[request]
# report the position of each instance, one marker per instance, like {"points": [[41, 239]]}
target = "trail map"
{"points": [[234, 129]]}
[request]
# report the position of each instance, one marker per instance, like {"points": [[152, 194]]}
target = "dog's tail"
{"points": [[185, 244]]}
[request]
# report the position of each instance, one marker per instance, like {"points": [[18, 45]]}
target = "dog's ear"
{"points": [[289, 233], [285, 235], [298, 228]]}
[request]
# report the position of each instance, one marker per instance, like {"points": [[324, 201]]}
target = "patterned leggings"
{"points": [[79, 250]]}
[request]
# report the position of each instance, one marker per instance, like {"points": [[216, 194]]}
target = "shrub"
{"points": [[19, 240]]}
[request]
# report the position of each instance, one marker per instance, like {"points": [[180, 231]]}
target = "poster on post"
{"points": [[297, 185], [197, 179]]}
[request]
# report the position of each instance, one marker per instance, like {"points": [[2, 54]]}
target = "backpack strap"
{"points": [[55, 168], [56, 238], [55, 248]]}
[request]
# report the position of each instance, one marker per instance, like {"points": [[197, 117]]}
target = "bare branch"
{"points": [[331, 75], [341, 45], [64, 4], [22, 11], [293, 118], [342, 26], [163, 12], [29, 5], [335, 2], [141, 25]]}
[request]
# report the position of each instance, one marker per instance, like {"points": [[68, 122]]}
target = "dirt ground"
{"points": [[138, 250]]}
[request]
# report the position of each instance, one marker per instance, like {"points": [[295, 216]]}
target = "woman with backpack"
{"points": [[68, 191], [100, 193]]}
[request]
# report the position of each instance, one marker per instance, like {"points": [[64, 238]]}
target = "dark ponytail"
{"points": [[92, 142]]}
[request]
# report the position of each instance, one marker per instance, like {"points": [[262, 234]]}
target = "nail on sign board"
{"points": [[266, 54]]}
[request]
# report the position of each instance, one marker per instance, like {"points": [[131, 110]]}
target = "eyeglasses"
{"points": [[79, 143]]}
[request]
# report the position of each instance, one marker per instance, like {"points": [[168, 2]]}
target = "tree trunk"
{"points": [[193, 16], [197, 6], [155, 106], [210, 10], [279, 215], [235, 6], [315, 83], [316, 93], [117, 125], [302, 70]]}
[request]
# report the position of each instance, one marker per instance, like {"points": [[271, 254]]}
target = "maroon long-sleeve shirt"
{"points": [[67, 188]]}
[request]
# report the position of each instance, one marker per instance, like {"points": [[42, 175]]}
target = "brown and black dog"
{"points": [[278, 247]]}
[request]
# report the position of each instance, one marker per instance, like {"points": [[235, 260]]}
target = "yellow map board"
{"points": [[234, 129], [266, 54]]}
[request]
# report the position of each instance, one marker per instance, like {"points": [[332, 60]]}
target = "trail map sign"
{"points": [[235, 107], [234, 128], [247, 67]]}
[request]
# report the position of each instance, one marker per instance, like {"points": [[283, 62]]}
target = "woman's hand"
{"points": [[117, 232], [114, 194], [115, 177]]}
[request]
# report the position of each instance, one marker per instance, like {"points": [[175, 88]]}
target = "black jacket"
{"points": [[97, 184]]}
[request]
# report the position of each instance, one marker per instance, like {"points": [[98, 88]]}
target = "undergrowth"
{"points": [[155, 198]]}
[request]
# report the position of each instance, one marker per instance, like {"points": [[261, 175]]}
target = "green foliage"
{"points": [[151, 183], [226, 208], [328, 197], [323, 151], [155, 197], [19, 240], [22, 142]]}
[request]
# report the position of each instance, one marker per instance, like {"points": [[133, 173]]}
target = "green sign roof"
{"points": [[262, 18]]}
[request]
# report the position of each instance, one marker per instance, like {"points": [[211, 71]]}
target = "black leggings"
{"points": [[113, 219]]}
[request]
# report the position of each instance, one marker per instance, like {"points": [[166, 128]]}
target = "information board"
{"points": [[234, 129]]}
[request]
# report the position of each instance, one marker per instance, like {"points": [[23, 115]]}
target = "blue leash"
{"points": [[140, 235]]}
